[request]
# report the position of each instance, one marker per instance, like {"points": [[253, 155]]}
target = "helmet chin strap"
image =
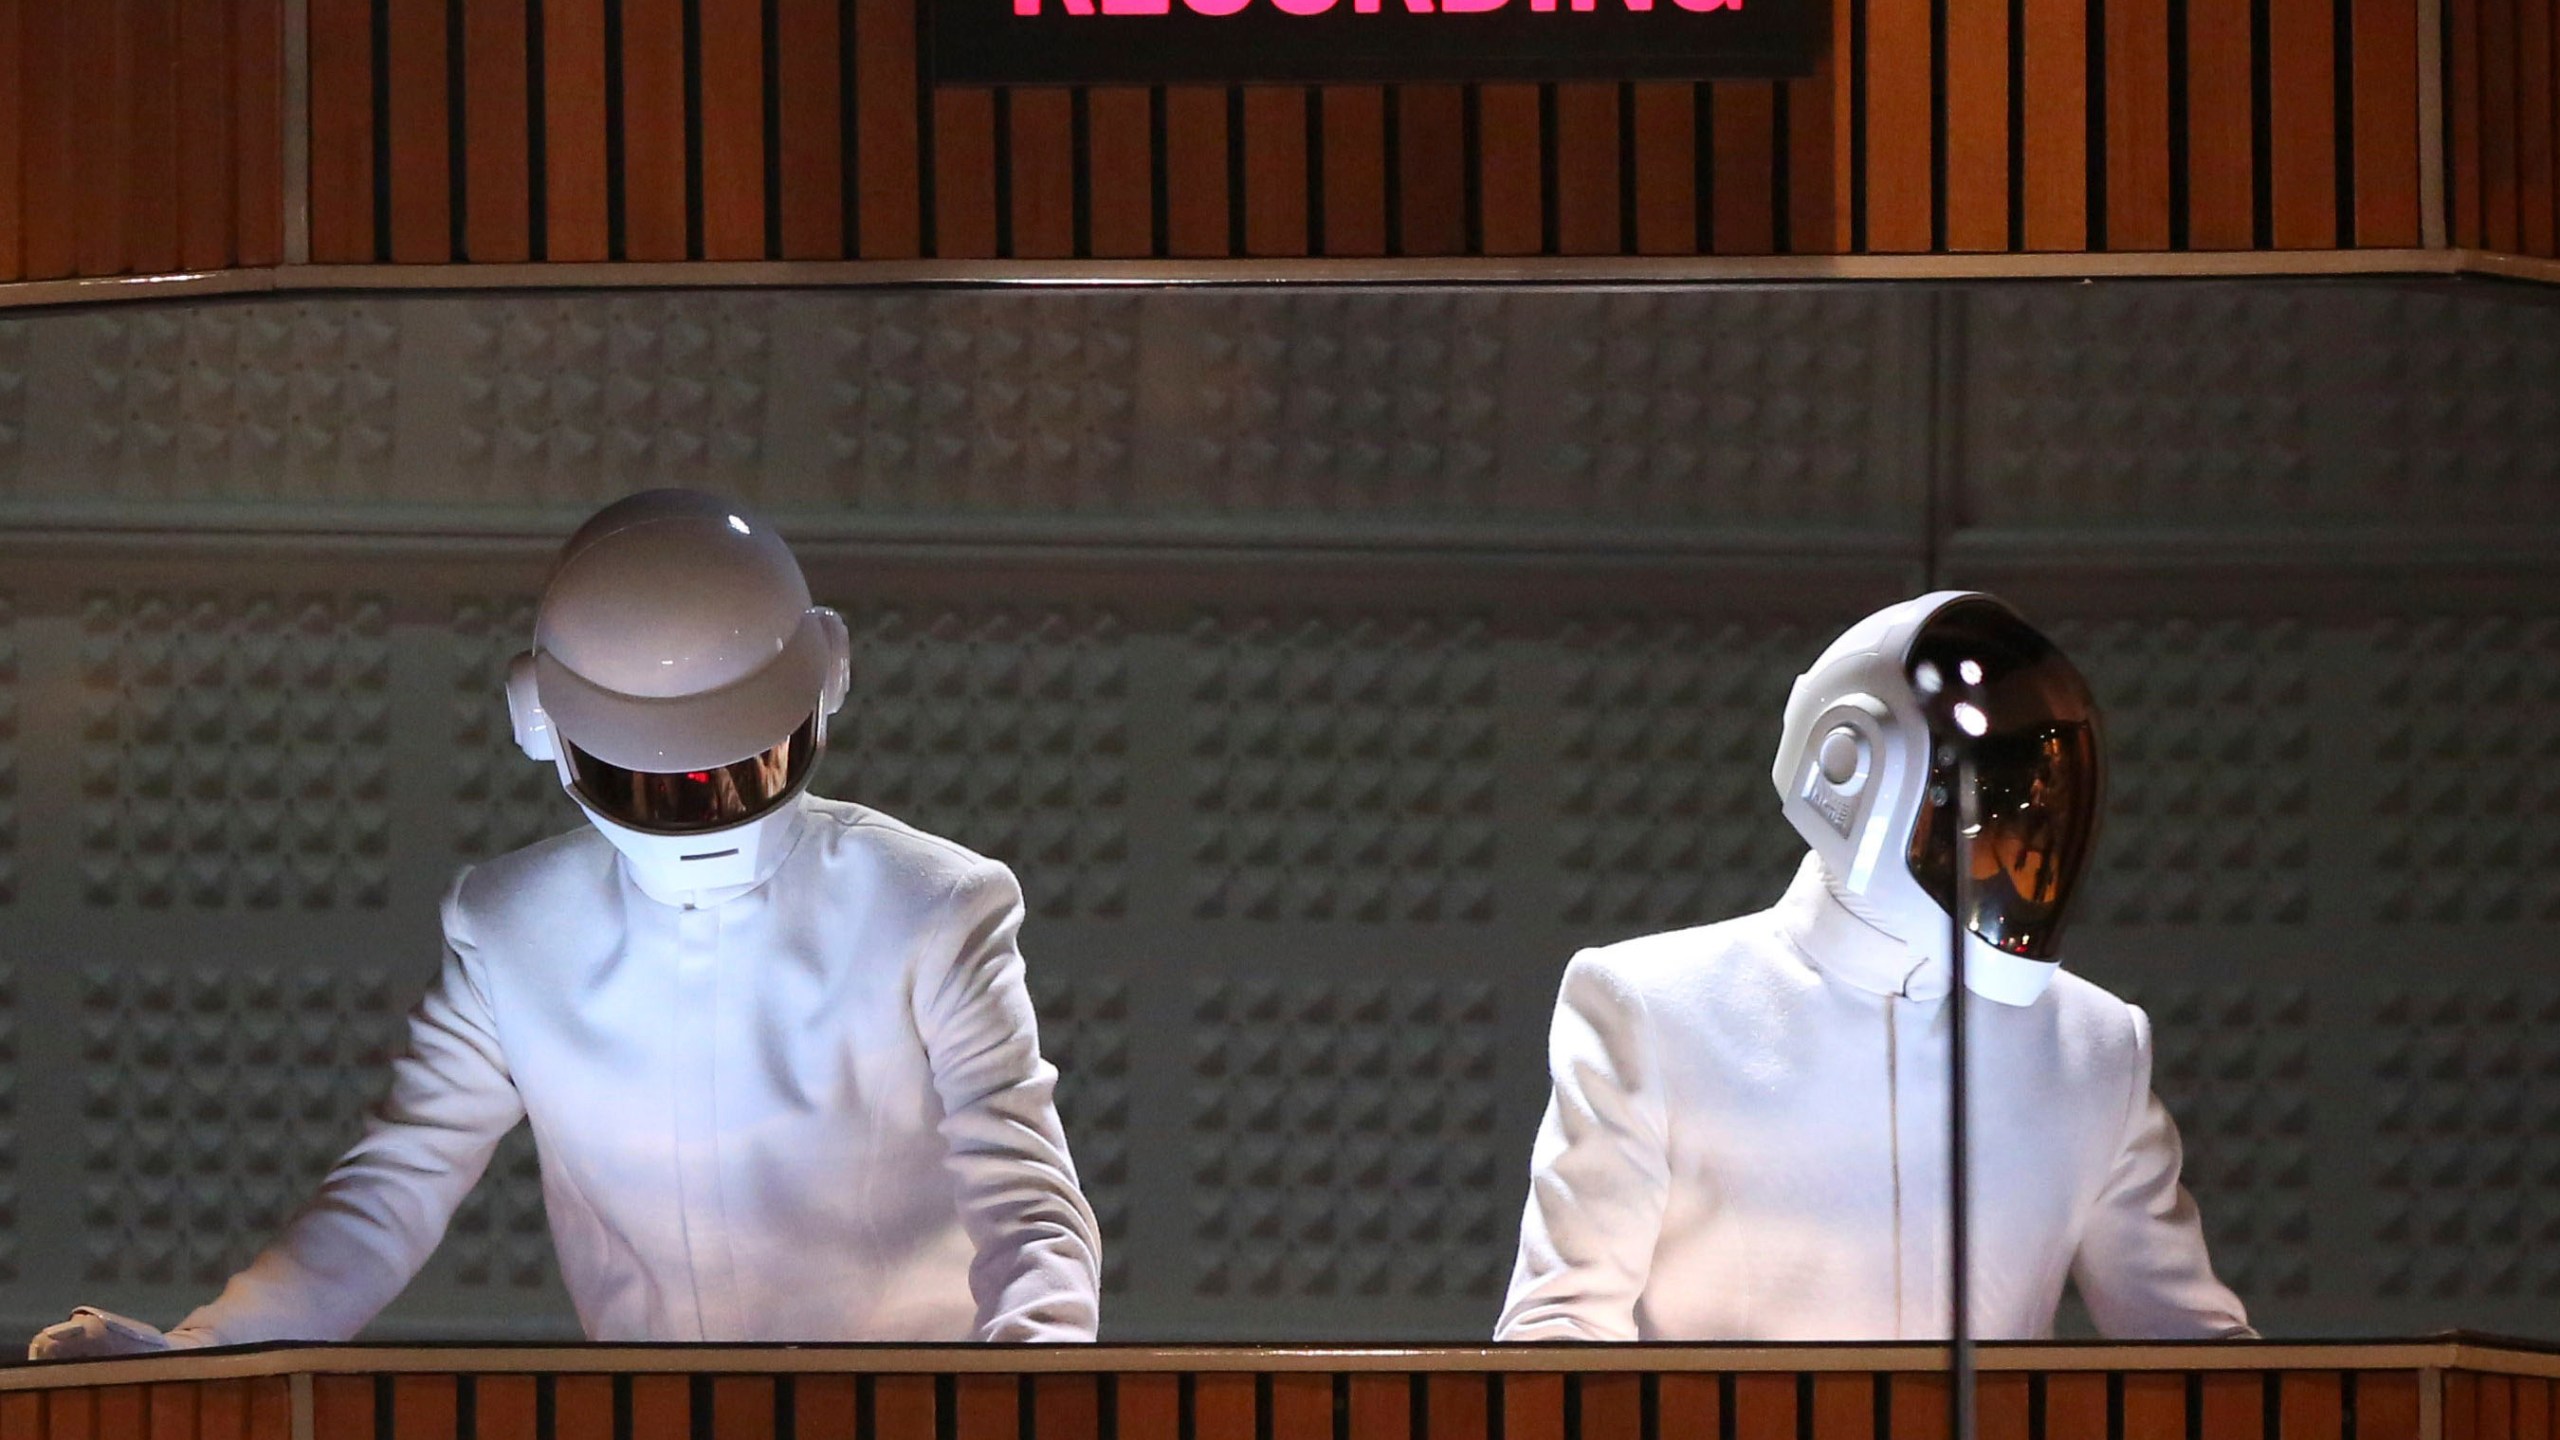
{"points": [[1989, 971], [694, 871]]}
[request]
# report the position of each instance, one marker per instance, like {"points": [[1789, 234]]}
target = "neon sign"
{"points": [[1309, 41]]}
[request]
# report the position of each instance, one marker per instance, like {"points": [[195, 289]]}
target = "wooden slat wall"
{"points": [[140, 138], [2502, 61], [800, 129], [1297, 1405], [145, 136]]}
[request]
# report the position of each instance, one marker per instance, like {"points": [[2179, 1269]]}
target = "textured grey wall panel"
{"points": [[1331, 665]]}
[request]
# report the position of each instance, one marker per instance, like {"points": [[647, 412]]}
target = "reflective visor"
{"points": [[690, 802], [1993, 684]]}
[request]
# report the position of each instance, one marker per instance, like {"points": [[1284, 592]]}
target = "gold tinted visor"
{"points": [[690, 802], [1991, 683]]}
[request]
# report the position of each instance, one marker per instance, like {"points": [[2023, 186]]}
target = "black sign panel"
{"points": [[1299, 41]]}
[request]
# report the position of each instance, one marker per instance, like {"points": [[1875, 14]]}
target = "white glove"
{"points": [[94, 1334]]}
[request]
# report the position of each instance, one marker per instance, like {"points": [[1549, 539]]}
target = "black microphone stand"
{"points": [[1960, 1355]]}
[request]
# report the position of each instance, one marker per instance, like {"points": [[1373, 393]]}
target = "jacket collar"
{"points": [[1848, 947]]}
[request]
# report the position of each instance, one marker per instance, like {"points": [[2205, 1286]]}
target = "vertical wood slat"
{"points": [[341, 165], [1195, 164], [1690, 1407], [581, 1407], [2001, 1407], [1301, 1408], [342, 1406], [48, 240], [421, 155], [808, 41], [2496, 1409], [1977, 125], [1067, 1407], [1222, 1407], [497, 216], [257, 133], [824, 1407], [2534, 139], [653, 141], [2137, 124], [1458, 1407], [120, 1411], [1586, 162], [1042, 184], [1612, 1407], [271, 1409], [206, 189], [2302, 165], [2075, 1404], [732, 128], [1897, 126], [1149, 1407], [1430, 165], [222, 1411], [151, 176], [1120, 165], [1818, 136], [2385, 79], [1742, 218], [661, 1408], [886, 132], [1666, 155], [2533, 1417], [2155, 1406], [576, 225], [1355, 170], [964, 173], [1764, 1407], [101, 63], [1275, 170], [504, 1407], [2386, 1405], [2463, 183], [2498, 65], [1509, 162], [741, 1406], [904, 1407], [10, 211], [1844, 1407], [986, 1407], [1381, 1408], [71, 1415], [2231, 1406], [425, 1407], [2221, 159], [1920, 1401], [2057, 125], [1532, 1408], [2312, 1405], [171, 1411]]}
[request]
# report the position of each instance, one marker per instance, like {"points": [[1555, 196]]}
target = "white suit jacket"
{"points": [[813, 1111], [1748, 1140]]}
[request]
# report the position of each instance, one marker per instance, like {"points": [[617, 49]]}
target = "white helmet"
{"points": [[1865, 772], [681, 681]]}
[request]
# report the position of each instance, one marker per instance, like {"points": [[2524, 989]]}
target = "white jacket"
{"points": [[813, 1111], [1748, 1141]]}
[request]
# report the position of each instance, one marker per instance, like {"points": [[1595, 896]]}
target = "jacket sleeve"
{"points": [[1598, 1175], [2141, 1266], [1037, 1275], [383, 1208]]}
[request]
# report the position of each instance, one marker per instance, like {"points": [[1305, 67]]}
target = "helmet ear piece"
{"points": [[839, 675], [524, 711]]}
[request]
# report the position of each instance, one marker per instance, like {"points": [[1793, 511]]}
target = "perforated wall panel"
{"points": [[1331, 665]]}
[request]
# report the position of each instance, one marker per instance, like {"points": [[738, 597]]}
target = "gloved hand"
{"points": [[94, 1334]]}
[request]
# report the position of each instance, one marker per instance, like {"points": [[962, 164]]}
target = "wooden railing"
{"points": [[2445, 1390]]}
